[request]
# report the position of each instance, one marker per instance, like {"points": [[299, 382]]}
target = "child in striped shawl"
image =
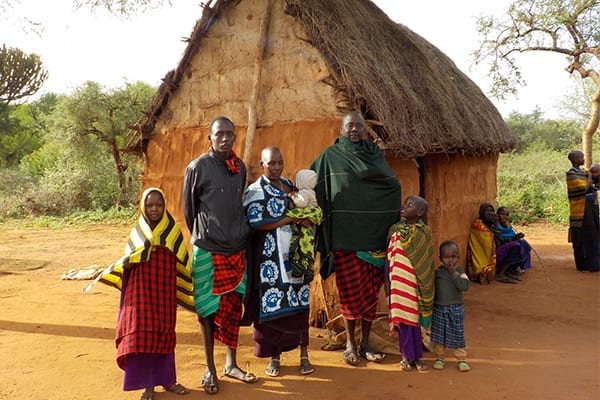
{"points": [[410, 283]]}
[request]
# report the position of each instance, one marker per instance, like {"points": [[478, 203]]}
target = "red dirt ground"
{"points": [[535, 340]]}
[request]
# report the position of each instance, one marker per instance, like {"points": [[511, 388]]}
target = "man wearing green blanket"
{"points": [[361, 198]]}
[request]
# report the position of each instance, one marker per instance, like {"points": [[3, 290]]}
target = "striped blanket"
{"points": [[403, 300]]}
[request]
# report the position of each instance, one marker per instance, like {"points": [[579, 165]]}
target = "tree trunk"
{"points": [[120, 171], [592, 126]]}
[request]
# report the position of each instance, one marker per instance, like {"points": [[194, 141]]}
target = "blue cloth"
{"points": [[280, 293], [506, 232], [448, 326]]}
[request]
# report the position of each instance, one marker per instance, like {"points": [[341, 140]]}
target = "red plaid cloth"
{"points": [[227, 319], [228, 272], [148, 309], [358, 284]]}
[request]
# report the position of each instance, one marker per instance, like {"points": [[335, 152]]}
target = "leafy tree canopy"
{"points": [[568, 27], [21, 75]]}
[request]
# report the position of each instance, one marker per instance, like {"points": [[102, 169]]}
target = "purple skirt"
{"points": [[146, 370]]}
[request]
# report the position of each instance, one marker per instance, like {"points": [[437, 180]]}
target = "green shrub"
{"points": [[532, 185]]}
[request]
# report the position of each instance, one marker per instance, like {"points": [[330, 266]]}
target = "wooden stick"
{"points": [[264, 30]]}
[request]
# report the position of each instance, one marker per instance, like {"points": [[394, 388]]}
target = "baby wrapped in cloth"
{"points": [[302, 246]]}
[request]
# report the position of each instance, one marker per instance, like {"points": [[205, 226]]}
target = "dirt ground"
{"points": [[539, 339]]}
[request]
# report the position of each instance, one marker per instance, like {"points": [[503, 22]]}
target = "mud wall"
{"points": [[455, 186]]}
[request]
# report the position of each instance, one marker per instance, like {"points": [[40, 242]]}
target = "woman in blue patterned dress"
{"points": [[277, 301]]}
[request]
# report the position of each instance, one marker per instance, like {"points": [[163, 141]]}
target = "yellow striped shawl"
{"points": [[576, 187], [139, 247]]}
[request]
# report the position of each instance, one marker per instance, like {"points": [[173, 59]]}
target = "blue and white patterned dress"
{"points": [[280, 293]]}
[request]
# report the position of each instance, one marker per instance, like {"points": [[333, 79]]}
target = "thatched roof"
{"points": [[416, 98]]}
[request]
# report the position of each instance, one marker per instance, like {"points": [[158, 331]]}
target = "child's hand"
{"points": [[520, 235], [451, 268]]}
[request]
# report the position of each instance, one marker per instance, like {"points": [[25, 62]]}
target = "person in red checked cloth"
{"points": [[212, 203]]}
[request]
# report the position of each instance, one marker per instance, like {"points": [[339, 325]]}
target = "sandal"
{"points": [[237, 373], [405, 365], [148, 394], [351, 357], [210, 383], [370, 355], [305, 366], [439, 364], [463, 366], [177, 388], [273, 368], [420, 365]]}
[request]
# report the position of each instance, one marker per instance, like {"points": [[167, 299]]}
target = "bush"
{"points": [[532, 185]]}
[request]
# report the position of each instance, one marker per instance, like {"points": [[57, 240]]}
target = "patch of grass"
{"points": [[122, 215], [533, 186]]}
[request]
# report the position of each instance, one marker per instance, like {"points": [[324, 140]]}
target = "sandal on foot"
{"points": [[405, 365], [148, 394], [210, 383], [439, 364], [463, 366], [371, 355], [273, 368], [351, 357], [420, 365], [305, 366], [177, 388], [236, 373]]}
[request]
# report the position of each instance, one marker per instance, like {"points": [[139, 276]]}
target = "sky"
{"points": [[76, 45]]}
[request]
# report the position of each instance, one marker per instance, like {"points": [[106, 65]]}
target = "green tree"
{"points": [[533, 132], [21, 75], [567, 27], [106, 115], [23, 127]]}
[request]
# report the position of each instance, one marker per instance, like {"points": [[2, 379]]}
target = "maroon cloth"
{"points": [[148, 308], [274, 337], [228, 271], [358, 284], [227, 319]]}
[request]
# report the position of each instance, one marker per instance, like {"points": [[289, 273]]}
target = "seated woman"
{"points": [[488, 258], [522, 260]]}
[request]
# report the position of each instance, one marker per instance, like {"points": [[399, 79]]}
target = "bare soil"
{"points": [[539, 339]]}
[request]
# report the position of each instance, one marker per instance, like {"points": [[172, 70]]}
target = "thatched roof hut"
{"points": [[286, 70]]}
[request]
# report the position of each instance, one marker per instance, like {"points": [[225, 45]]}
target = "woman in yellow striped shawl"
{"points": [[153, 275], [584, 221]]}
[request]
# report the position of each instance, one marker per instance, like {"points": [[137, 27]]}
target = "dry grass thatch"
{"points": [[419, 102]]}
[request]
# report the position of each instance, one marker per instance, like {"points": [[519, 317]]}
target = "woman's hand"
{"points": [[305, 222]]}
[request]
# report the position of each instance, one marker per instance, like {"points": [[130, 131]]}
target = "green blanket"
{"points": [[360, 197]]}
